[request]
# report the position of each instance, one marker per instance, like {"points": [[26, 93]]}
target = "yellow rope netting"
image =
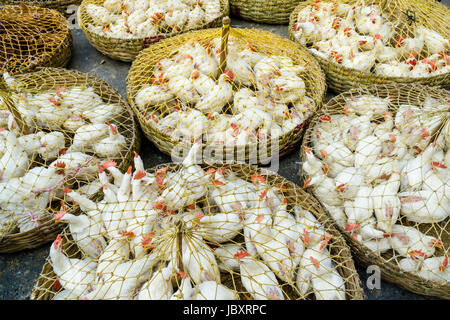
{"points": [[120, 29], [33, 37], [60, 5], [376, 41], [246, 103], [194, 231], [56, 126], [377, 158]]}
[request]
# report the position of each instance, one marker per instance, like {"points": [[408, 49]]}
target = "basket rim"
{"points": [[352, 279], [360, 252]]}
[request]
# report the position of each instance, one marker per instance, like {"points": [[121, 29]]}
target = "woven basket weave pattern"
{"points": [[266, 43], [49, 79], [272, 12], [38, 38]]}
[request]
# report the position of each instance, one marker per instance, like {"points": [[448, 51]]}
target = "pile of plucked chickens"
{"points": [[381, 170], [68, 131], [128, 19], [361, 37], [258, 96], [191, 232]]}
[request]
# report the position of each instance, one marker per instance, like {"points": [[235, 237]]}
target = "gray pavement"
{"points": [[19, 271]]}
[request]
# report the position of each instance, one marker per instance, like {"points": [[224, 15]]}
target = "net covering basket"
{"points": [[370, 42], [56, 127], [120, 29], [59, 5], [210, 232], [271, 12], [383, 177], [33, 37], [252, 110]]}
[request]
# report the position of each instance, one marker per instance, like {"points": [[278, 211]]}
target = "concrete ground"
{"points": [[19, 271]]}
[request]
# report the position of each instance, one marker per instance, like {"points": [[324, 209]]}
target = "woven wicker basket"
{"points": [[46, 39], [263, 11], [265, 43], [46, 286], [401, 94], [430, 14], [49, 79], [128, 49], [59, 5]]}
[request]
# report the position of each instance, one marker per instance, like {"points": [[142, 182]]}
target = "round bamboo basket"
{"points": [[388, 261], [429, 14], [271, 12], [265, 43], [48, 285], [59, 5], [128, 49], [33, 37], [47, 80]]}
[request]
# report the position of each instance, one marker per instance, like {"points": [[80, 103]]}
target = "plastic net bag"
{"points": [[120, 29], [56, 127], [33, 37], [377, 158], [194, 231], [377, 41], [247, 101]]}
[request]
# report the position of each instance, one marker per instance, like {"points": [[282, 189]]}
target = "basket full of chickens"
{"points": [[377, 158], [32, 37], [248, 101], [372, 41], [56, 126], [122, 28], [263, 11], [195, 231], [59, 5]]}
